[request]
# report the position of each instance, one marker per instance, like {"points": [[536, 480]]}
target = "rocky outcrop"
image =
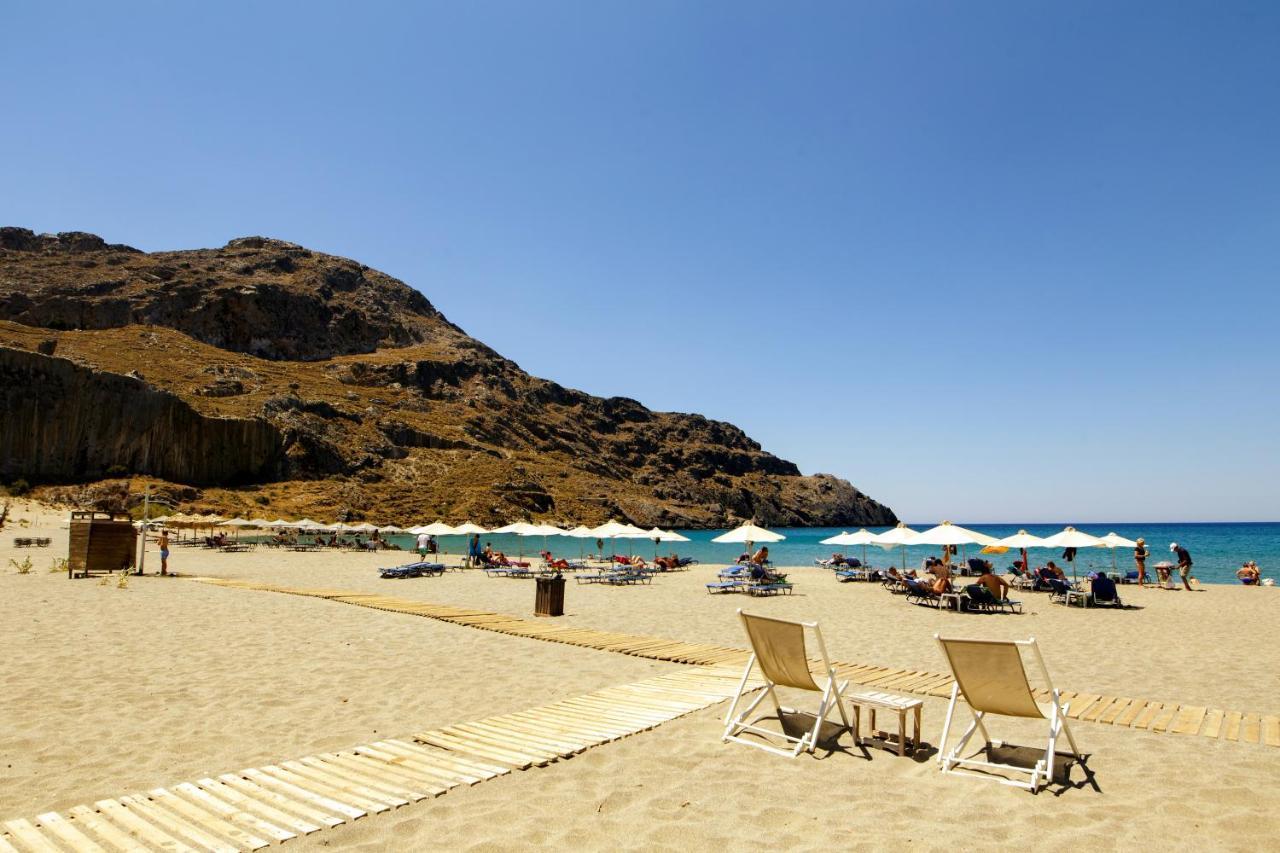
{"points": [[64, 422], [269, 298], [342, 390]]}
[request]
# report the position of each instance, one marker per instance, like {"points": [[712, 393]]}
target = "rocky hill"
{"points": [[264, 374]]}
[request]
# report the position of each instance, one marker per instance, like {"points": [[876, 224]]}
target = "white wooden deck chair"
{"points": [[992, 678], [778, 648]]}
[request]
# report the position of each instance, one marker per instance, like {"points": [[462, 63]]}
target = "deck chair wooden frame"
{"points": [[778, 650], [991, 677]]}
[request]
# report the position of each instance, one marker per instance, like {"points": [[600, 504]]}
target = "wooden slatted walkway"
{"points": [[1143, 714], [260, 806]]}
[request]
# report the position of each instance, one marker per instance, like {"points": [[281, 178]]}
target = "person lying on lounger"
{"points": [[667, 564]]}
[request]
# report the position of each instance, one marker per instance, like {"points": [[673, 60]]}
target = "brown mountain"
{"points": [[266, 374]]}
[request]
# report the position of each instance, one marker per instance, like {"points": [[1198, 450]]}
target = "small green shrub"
{"points": [[58, 566], [24, 568]]}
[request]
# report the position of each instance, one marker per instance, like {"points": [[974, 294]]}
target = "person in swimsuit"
{"points": [[1248, 574], [1140, 554], [163, 541], [997, 585]]}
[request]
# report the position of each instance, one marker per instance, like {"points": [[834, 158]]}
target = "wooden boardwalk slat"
{"points": [[1233, 725], [26, 833], [68, 833], [207, 821], [105, 830], [1271, 731], [1251, 728], [262, 807], [144, 830], [140, 804], [1189, 719], [307, 812], [1213, 723]]}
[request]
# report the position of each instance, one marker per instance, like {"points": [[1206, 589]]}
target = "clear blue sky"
{"points": [[990, 261]]}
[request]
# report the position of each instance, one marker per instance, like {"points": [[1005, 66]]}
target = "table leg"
{"points": [[915, 742], [873, 721], [857, 725], [902, 733]]}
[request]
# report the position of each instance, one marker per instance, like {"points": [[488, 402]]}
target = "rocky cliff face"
{"points": [[350, 394], [66, 422]]}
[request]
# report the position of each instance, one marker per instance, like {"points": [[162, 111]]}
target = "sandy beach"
{"points": [[106, 691]]}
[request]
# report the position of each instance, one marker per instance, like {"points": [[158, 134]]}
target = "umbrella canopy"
{"points": [[861, 537], [611, 529], [1115, 540], [390, 528], [900, 535], [1069, 537], [279, 522], [947, 533], [159, 518], [259, 522], [1022, 539], [437, 528], [238, 522], [658, 535], [581, 532], [520, 528], [546, 530], [366, 527], [466, 528], [307, 524], [749, 533]]}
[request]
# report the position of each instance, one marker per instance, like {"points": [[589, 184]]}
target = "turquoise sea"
{"points": [[1217, 549]]}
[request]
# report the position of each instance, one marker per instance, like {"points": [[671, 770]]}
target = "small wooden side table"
{"points": [[875, 700]]}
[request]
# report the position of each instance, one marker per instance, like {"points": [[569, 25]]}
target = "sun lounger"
{"points": [[977, 598], [991, 677], [769, 588], [726, 586], [778, 649], [847, 575], [918, 593]]}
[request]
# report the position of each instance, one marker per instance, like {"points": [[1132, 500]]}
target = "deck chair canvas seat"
{"points": [[991, 678], [778, 650]]}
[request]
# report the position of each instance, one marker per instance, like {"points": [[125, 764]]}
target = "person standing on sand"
{"points": [[163, 541], [1140, 554], [424, 542], [1184, 563]]}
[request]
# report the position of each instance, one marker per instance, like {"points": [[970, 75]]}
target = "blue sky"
{"points": [[990, 261]]}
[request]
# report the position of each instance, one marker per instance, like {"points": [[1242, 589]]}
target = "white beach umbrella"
{"points": [[580, 533], [1114, 540], [260, 523], [159, 518], [749, 534], [363, 527], [614, 530], [466, 528], [658, 535], [519, 528], [950, 534], [900, 536], [279, 522], [390, 528], [861, 537], [1022, 540], [438, 528], [308, 524], [1069, 537], [237, 522]]}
